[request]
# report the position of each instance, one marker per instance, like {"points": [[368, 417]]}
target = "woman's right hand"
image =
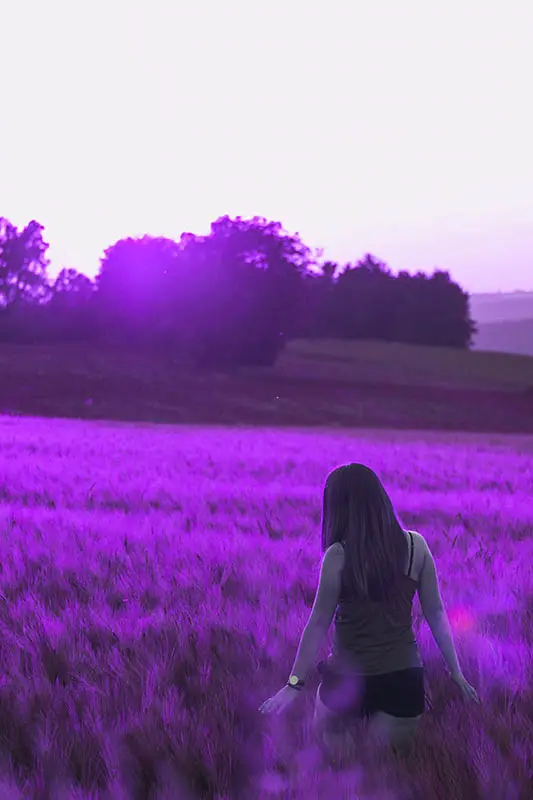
{"points": [[468, 691]]}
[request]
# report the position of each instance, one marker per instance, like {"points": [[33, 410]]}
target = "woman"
{"points": [[370, 572]]}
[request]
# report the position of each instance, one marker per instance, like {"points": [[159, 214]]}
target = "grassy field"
{"points": [[322, 383], [155, 581]]}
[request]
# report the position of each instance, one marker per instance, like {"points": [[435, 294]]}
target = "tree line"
{"points": [[232, 297]]}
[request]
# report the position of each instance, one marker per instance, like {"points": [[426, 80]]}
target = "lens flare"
{"points": [[461, 619]]}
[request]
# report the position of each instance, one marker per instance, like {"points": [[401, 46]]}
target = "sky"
{"points": [[399, 128]]}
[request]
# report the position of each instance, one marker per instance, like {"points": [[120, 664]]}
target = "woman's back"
{"points": [[377, 637]]}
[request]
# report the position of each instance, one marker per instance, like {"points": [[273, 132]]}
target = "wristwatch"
{"points": [[295, 682]]}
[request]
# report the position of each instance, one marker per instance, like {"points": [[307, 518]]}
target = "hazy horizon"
{"points": [[396, 129]]}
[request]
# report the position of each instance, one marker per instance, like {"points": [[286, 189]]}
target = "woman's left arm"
{"points": [[326, 601]]}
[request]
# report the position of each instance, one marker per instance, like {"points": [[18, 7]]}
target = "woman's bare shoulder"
{"points": [[337, 551], [419, 547], [420, 542]]}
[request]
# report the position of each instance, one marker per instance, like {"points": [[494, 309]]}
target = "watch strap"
{"points": [[295, 683]]}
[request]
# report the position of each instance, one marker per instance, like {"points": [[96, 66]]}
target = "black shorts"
{"points": [[400, 693]]}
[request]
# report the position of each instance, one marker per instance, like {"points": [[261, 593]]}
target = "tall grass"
{"points": [[155, 581]]}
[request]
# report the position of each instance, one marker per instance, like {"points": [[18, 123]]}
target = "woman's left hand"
{"points": [[280, 701]]}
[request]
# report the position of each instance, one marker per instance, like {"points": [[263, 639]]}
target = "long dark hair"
{"points": [[358, 512]]}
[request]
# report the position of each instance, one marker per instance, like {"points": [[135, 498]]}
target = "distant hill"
{"points": [[505, 322], [508, 336]]}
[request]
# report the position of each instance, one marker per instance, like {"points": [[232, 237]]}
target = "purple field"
{"points": [[155, 581]]}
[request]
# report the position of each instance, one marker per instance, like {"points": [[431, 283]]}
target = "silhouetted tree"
{"points": [[136, 287], [242, 283], [363, 299], [443, 317], [24, 287], [317, 316], [23, 264], [69, 315], [232, 297], [71, 288]]}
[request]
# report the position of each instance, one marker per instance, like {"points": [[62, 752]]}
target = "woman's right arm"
{"points": [[435, 613], [437, 619]]}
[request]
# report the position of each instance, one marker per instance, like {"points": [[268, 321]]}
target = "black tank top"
{"points": [[374, 638]]}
